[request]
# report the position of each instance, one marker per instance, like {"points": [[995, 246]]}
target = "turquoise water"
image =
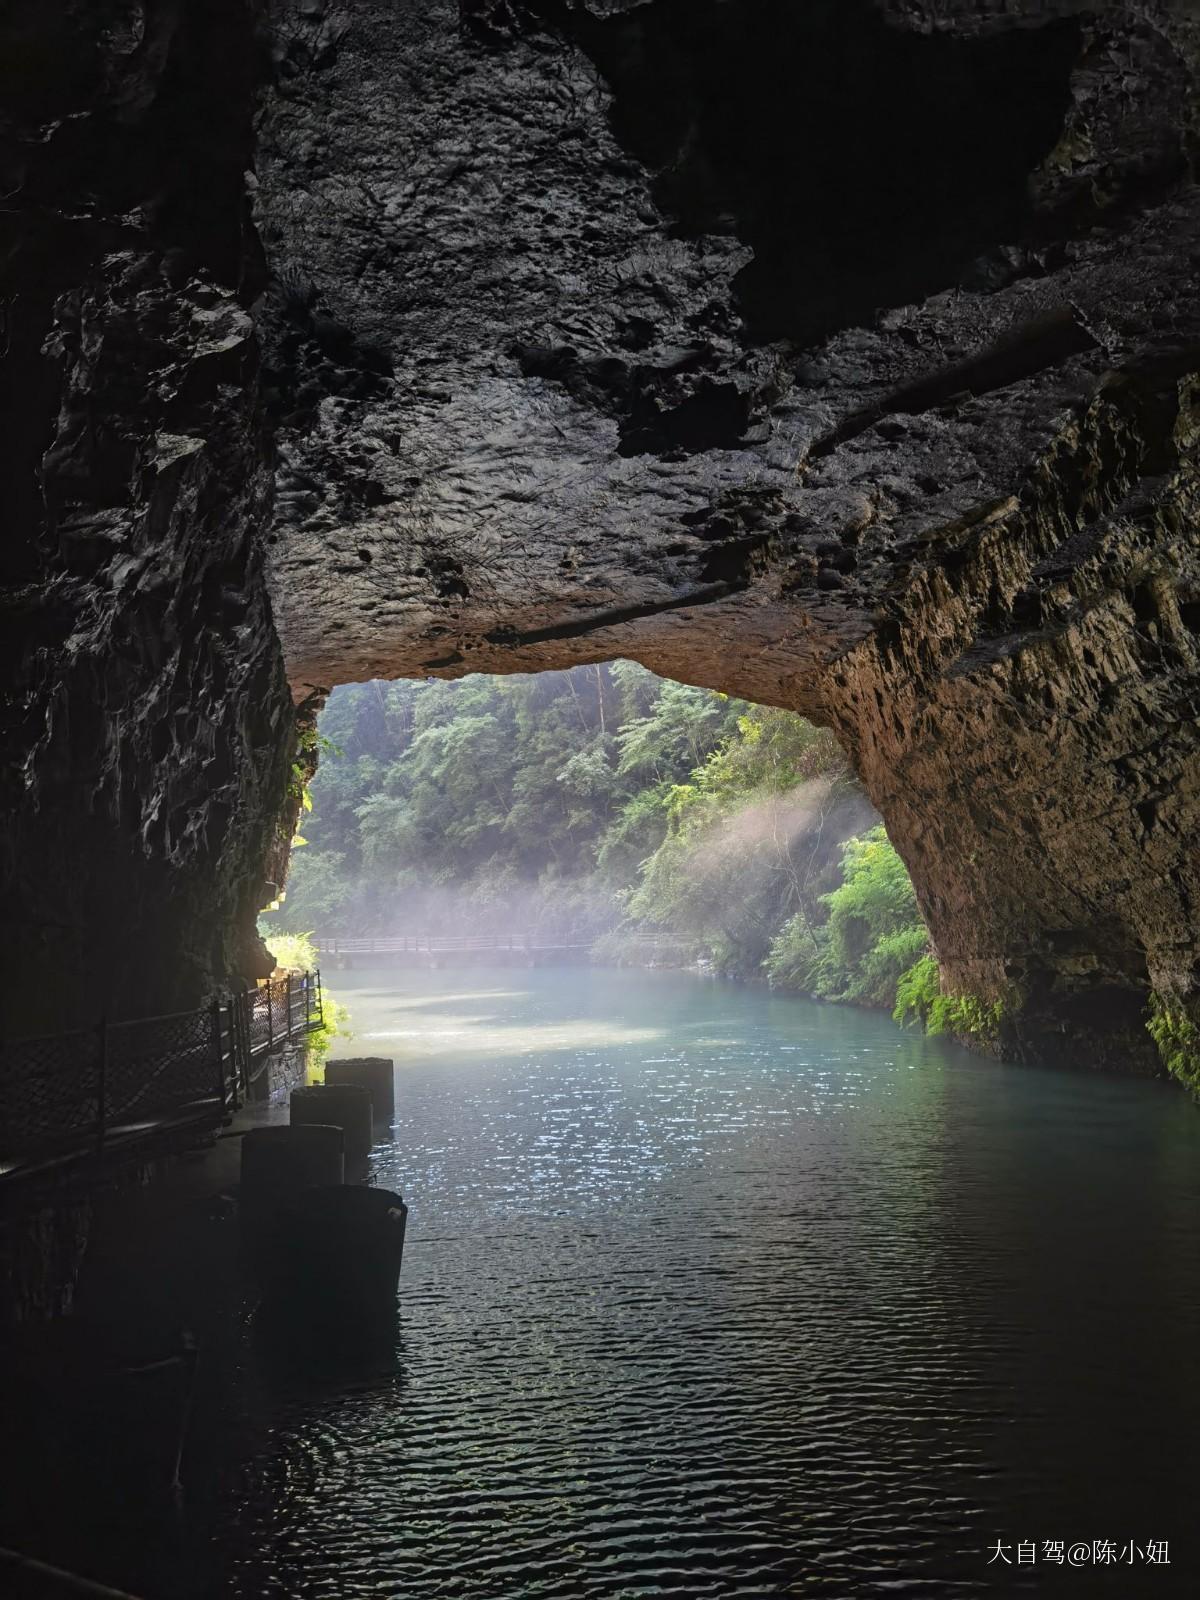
{"points": [[713, 1292]]}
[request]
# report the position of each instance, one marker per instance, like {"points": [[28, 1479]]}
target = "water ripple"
{"points": [[766, 1311]]}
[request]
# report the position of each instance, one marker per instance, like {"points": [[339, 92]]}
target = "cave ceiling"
{"points": [[600, 328]]}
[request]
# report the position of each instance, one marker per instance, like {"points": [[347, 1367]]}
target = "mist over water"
{"points": [[767, 839], [569, 804], [710, 1291], [775, 837]]}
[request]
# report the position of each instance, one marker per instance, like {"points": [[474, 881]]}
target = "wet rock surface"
{"points": [[836, 355], [145, 718]]}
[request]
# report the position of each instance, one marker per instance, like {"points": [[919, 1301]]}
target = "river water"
{"points": [[710, 1292]]}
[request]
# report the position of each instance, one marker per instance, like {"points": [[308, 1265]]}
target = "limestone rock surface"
{"points": [[145, 722]]}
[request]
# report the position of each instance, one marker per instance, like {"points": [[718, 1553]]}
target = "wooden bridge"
{"points": [[529, 948], [450, 949]]}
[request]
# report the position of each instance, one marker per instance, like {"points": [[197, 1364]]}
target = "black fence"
{"points": [[70, 1093]]}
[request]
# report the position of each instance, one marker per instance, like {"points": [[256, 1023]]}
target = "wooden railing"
{"points": [[434, 944], [447, 943]]}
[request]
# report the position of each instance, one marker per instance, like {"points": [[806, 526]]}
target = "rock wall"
{"points": [[146, 724], [839, 355]]}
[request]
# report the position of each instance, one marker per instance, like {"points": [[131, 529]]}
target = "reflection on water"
{"points": [[709, 1292]]}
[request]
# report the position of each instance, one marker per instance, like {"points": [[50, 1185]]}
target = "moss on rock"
{"points": [[1177, 1038], [919, 995]]}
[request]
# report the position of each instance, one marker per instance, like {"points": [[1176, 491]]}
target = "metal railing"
{"points": [[274, 1014], [69, 1094]]}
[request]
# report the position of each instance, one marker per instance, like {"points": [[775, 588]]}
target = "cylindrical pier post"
{"points": [[278, 1163], [376, 1074], [340, 1248], [346, 1106]]}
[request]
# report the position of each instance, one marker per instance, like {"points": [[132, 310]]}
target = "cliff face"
{"points": [[146, 719], [837, 355]]}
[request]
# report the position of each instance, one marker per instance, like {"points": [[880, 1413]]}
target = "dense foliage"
{"points": [[494, 801], [296, 952], [920, 996], [871, 935], [608, 803]]}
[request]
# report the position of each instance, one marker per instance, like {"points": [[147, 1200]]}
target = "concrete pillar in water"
{"points": [[280, 1163], [277, 1162], [374, 1073], [339, 1250], [346, 1106]]}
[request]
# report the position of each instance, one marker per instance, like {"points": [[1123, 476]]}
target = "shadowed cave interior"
{"points": [[842, 357]]}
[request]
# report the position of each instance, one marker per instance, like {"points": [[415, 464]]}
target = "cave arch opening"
{"points": [[1031, 966], [601, 811]]}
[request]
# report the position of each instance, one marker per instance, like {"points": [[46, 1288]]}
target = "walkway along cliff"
{"points": [[841, 356]]}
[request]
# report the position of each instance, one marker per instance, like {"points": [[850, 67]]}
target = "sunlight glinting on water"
{"points": [[490, 1038]]}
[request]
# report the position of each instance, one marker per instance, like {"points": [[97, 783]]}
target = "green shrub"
{"points": [[966, 1018], [875, 899], [919, 995], [918, 990], [293, 952], [872, 935], [888, 959], [336, 1019], [799, 957], [1178, 1041], [296, 952]]}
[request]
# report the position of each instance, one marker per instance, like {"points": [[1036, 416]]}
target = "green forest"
{"points": [[657, 821]]}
